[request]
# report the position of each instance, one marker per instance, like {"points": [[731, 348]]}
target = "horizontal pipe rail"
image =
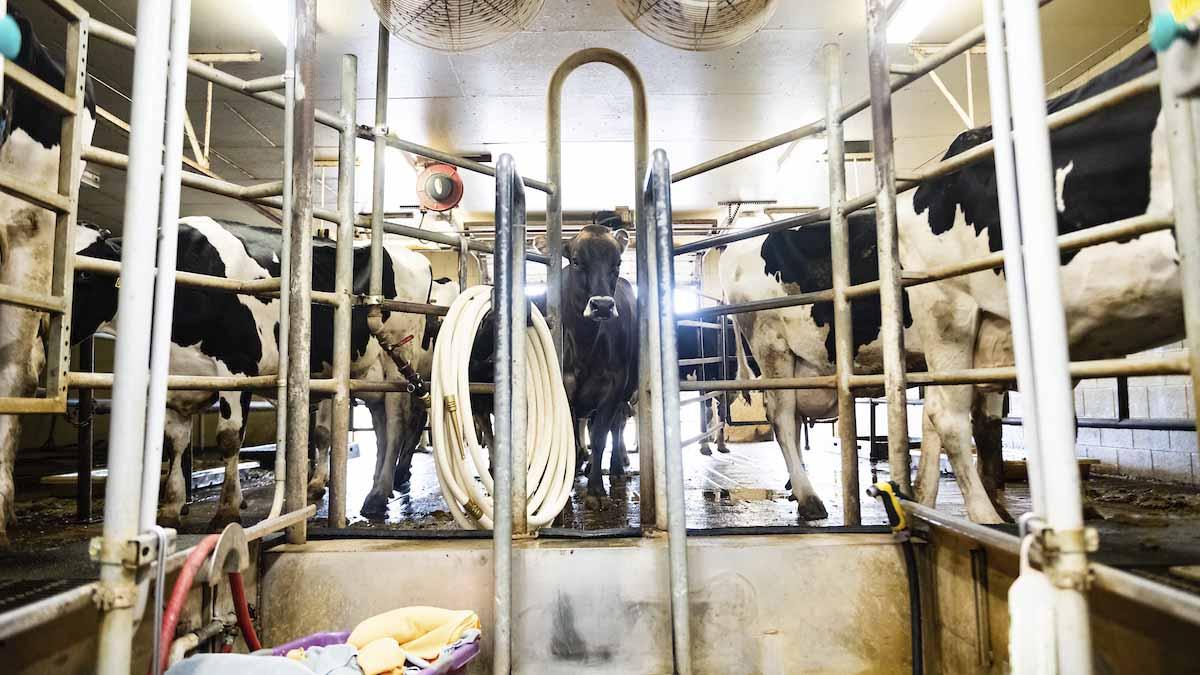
{"points": [[116, 36], [1145, 592], [58, 100], [712, 431], [269, 286], [703, 361], [1143, 424], [1067, 116], [1102, 234], [80, 380], [911, 74], [37, 196], [1081, 370], [17, 405], [368, 133], [444, 238], [700, 399], [23, 298]]}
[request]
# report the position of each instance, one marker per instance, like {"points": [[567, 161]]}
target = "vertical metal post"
{"points": [[649, 415], [58, 341], [464, 257], [519, 330], [1010, 227], [130, 375], [164, 282], [343, 288], [85, 440], [890, 291], [502, 475], [1056, 432], [378, 188], [656, 204], [285, 266], [839, 240], [300, 274], [723, 350], [1181, 116]]}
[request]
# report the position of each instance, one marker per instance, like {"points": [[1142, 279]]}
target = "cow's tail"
{"points": [[743, 364]]}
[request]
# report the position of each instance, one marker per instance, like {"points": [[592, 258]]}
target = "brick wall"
{"points": [[1162, 455]]}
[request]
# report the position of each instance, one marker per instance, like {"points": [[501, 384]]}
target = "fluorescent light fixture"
{"points": [[276, 15], [910, 18]]}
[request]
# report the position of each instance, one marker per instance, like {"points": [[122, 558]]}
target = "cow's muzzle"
{"points": [[600, 308]]}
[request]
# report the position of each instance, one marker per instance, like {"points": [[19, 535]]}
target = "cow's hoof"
{"points": [[401, 480], [170, 520], [185, 509], [222, 518], [244, 505], [374, 506], [315, 494], [723, 449], [812, 509], [705, 450]]}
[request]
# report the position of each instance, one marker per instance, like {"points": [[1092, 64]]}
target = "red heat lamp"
{"points": [[439, 187]]}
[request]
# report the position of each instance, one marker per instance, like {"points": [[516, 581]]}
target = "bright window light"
{"points": [[274, 14], [911, 18]]}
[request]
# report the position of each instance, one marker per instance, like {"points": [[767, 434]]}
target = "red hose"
{"points": [[179, 593], [243, 611]]}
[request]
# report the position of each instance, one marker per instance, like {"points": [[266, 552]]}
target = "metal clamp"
{"points": [[370, 300], [1050, 545], [114, 596], [133, 554]]}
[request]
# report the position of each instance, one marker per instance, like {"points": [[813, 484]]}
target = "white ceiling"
{"points": [[700, 104]]}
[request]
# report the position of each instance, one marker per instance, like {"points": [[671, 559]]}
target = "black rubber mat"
{"points": [[16, 593]]}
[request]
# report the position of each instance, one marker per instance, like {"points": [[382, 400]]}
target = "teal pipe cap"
{"points": [[10, 37]]}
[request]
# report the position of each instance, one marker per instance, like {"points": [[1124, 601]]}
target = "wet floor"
{"points": [[742, 488]]}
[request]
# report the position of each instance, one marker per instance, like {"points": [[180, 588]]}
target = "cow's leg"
{"points": [[411, 417], [929, 468], [620, 459], [720, 415], [10, 437], [600, 424], [177, 435], [987, 414], [322, 440], [229, 440], [783, 413], [375, 505], [581, 444]]}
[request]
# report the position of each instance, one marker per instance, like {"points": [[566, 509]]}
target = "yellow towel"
{"points": [[421, 631], [380, 656]]}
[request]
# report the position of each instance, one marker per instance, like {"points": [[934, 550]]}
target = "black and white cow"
{"points": [[1119, 297], [30, 132], [221, 334], [600, 350]]}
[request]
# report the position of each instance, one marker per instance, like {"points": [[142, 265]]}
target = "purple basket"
{"points": [[452, 663]]}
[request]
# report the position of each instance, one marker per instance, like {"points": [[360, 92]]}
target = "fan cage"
{"points": [[698, 25], [456, 25]]}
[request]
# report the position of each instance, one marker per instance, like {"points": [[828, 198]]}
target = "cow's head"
{"points": [[94, 296], [590, 281]]}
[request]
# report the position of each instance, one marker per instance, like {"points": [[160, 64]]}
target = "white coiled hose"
{"points": [[462, 464]]}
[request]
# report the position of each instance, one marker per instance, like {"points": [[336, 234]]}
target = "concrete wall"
{"points": [[759, 604], [1162, 455]]}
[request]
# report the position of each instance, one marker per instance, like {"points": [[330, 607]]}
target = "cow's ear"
{"points": [[622, 237], [542, 245]]}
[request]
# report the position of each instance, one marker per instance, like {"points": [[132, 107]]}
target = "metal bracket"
{"points": [[1050, 545], [370, 300], [134, 554], [231, 554], [118, 596]]}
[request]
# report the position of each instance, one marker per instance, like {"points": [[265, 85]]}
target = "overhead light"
{"points": [[909, 18], [277, 15]]}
